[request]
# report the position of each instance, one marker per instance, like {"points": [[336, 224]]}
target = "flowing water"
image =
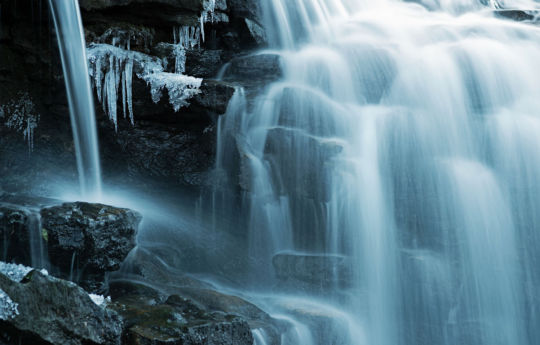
{"points": [[70, 34], [406, 137]]}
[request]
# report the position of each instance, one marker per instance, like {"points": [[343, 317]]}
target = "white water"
{"points": [[70, 34], [408, 140]]}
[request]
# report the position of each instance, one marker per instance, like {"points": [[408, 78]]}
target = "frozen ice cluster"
{"points": [[8, 308], [112, 66], [20, 114]]}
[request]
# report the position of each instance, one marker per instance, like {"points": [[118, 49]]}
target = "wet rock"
{"points": [[518, 15], [257, 31], [149, 319], [312, 272], [255, 67], [328, 325], [54, 311], [88, 240], [14, 237]]}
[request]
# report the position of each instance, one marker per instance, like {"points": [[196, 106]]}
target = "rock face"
{"points": [[88, 240], [312, 273], [54, 311]]}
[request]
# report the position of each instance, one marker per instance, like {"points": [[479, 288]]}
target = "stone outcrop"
{"points": [[88, 240], [76, 241], [55, 311]]}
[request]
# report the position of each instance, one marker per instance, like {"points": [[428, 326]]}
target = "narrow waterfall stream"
{"points": [[404, 136], [70, 34]]}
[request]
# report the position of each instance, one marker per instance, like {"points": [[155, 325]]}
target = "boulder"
{"points": [[54, 311], [85, 240]]}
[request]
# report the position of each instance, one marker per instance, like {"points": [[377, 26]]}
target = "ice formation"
{"points": [[100, 299], [14, 272], [8, 308], [20, 115], [111, 67], [111, 70], [180, 87]]}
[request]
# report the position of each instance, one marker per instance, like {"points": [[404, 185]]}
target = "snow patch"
{"points": [[180, 88], [15, 272], [100, 300], [8, 308]]}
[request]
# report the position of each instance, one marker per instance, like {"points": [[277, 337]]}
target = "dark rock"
{"points": [[518, 15], [14, 237], [246, 9], [257, 31], [175, 320], [91, 239], [54, 311], [181, 155], [312, 273], [204, 63], [256, 66], [215, 96], [193, 5]]}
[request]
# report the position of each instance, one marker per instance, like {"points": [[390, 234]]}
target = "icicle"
{"points": [[129, 79]]}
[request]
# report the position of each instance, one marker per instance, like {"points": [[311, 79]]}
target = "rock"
{"points": [[518, 15], [312, 272], [167, 152], [215, 96], [150, 319], [255, 67], [256, 31], [89, 240], [204, 63], [192, 5], [14, 234], [246, 9], [327, 324], [54, 311]]}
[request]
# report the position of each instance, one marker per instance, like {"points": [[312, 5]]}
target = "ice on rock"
{"points": [[180, 87], [100, 300], [14, 272], [8, 308], [111, 70], [20, 115]]}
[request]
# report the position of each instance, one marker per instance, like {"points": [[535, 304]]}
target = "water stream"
{"points": [[70, 34], [404, 136]]}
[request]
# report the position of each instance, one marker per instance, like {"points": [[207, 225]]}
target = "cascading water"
{"points": [[406, 137], [69, 30]]}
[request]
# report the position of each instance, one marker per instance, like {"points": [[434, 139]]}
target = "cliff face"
{"points": [[156, 124]]}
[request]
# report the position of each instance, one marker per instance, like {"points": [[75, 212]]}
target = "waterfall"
{"points": [[403, 135], [69, 30]]}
